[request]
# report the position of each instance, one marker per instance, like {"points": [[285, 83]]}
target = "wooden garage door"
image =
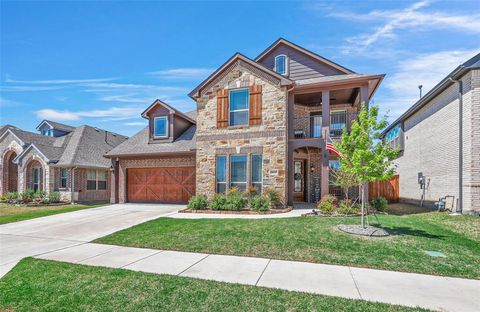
{"points": [[162, 185]]}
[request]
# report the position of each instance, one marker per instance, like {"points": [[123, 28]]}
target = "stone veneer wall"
{"points": [[124, 164], [9, 143], [269, 138]]}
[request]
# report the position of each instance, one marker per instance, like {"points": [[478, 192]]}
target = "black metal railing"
{"points": [[305, 127]]}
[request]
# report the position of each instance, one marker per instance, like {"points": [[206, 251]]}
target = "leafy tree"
{"points": [[364, 155], [344, 180]]}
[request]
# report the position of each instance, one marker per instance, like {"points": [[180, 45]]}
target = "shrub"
{"points": [[273, 197], [347, 208], [27, 195], [327, 204], [44, 201], [218, 202], [379, 203], [11, 196], [259, 203], [40, 194], [233, 191], [198, 202], [54, 197], [250, 192], [234, 201]]}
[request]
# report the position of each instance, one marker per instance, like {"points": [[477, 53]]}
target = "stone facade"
{"points": [[431, 139], [124, 164], [270, 137]]}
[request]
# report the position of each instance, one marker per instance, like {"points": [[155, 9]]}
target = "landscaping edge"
{"points": [[237, 212]]}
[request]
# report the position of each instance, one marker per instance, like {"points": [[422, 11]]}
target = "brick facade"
{"points": [[432, 147], [270, 137]]}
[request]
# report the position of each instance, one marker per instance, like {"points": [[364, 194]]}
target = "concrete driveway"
{"points": [[38, 236]]}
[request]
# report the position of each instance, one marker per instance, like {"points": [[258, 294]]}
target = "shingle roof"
{"points": [[85, 146], [58, 126], [139, 144]]}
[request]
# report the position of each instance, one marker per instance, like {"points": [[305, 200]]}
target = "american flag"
{"points": [[330, 147]]}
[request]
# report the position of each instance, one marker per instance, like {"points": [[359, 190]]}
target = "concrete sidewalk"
{"points": [[432, 292]]}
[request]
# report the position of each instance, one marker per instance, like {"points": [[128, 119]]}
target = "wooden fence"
{"points": [[390, 189]]}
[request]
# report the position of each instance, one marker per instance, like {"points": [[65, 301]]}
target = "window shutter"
{"points": [[222, 108], [255, 110]]}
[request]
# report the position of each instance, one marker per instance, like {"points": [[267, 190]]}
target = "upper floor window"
{"points": [[281, 64], [338, 122], [393, 134], [239, 105], [48, 132], [160, 127]]}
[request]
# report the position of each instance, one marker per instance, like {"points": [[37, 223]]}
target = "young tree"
{"points": [[344, 180], [364, 155]]}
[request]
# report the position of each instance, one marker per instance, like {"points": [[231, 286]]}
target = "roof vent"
{"points": [[96, 129]]}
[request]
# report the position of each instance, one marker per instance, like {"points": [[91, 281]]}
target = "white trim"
{"points": [[239, 110], [11, 132], [285, 64], [16, 160], [167, 126], [44, 122]]}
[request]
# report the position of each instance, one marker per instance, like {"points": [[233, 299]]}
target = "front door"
{"points": [[36, 179], [299, 180]]}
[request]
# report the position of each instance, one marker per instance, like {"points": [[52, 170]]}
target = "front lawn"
{"points": [[317, 239], [40, 285], [13, 213]]}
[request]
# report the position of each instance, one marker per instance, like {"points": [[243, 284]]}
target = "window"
{"points": [[394, 137], [102, 180], [316, 125], [334, 164], [63, 177], [257, 172], [298, 176], [338, 121], [91, 180], [36, 179], [239, 101], [48, 132], [221, 174], [160, 127], [281, 64], [238, 172], [393, 133]]}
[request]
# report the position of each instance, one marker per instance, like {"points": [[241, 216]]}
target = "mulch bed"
{"points": [[240, 212], [370, 231], [35, 205]]}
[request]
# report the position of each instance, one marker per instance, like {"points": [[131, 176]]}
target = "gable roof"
{"points": [[472, 63], [172, 110], [314, 55], [56, 125], [138, 145], [232, 60]]}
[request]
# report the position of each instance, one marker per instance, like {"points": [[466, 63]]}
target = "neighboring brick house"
{"points": [[61, 158], [439, 140], [258, 123]]}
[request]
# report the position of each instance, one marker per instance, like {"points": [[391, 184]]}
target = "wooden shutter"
{"points": [[222, 108], [255, 110]]}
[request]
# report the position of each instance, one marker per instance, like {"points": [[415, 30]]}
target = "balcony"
{"points": [[309, 127]]}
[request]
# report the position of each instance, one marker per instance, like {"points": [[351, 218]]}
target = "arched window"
{"points": [[281, 64]]}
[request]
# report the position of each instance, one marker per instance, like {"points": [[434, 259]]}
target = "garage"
{"points": [[160, 185]]}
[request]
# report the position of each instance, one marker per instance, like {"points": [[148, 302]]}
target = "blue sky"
{"points": [[102, 63]]}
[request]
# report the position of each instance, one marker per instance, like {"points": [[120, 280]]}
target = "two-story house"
{"points": [[59, 158], [259, 122]]}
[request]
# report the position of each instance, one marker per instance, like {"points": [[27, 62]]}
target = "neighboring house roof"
{"points": [[56, 125], [172, 110], [83, 147], [239, 57], [192, 114], [473, 63], [138, 145], [305, 51]]}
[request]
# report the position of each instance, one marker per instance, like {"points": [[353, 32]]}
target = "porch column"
{"points": [[289, 162], [324, 185], [114, 183]]}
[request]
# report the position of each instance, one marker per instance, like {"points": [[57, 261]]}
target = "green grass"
{"points": [[318, 240], [12, 213], [40, 285]]}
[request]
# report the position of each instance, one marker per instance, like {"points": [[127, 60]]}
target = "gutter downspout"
{"points": [[72, 198], [460, 144]]}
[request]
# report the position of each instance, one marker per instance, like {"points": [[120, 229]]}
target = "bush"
{"points": [[327, 204], [54, 197], [273, 197], [233, 191], [259, 203], [11, 196], [198, 202], [234, 201], [379, 203], [27, 195], [218, 202], [44, 201], [250, 192], [347, 208]]}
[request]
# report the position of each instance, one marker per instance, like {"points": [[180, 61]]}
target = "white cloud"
{"points": [[426, 70], [28, 88], [182, 73], [136, 123], [6, 102], [410, 18], [58, 81], [116, 113]]}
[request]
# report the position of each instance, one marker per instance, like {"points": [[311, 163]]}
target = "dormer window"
{"points": [[160, 126], [47, 132], [281, 64]]}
